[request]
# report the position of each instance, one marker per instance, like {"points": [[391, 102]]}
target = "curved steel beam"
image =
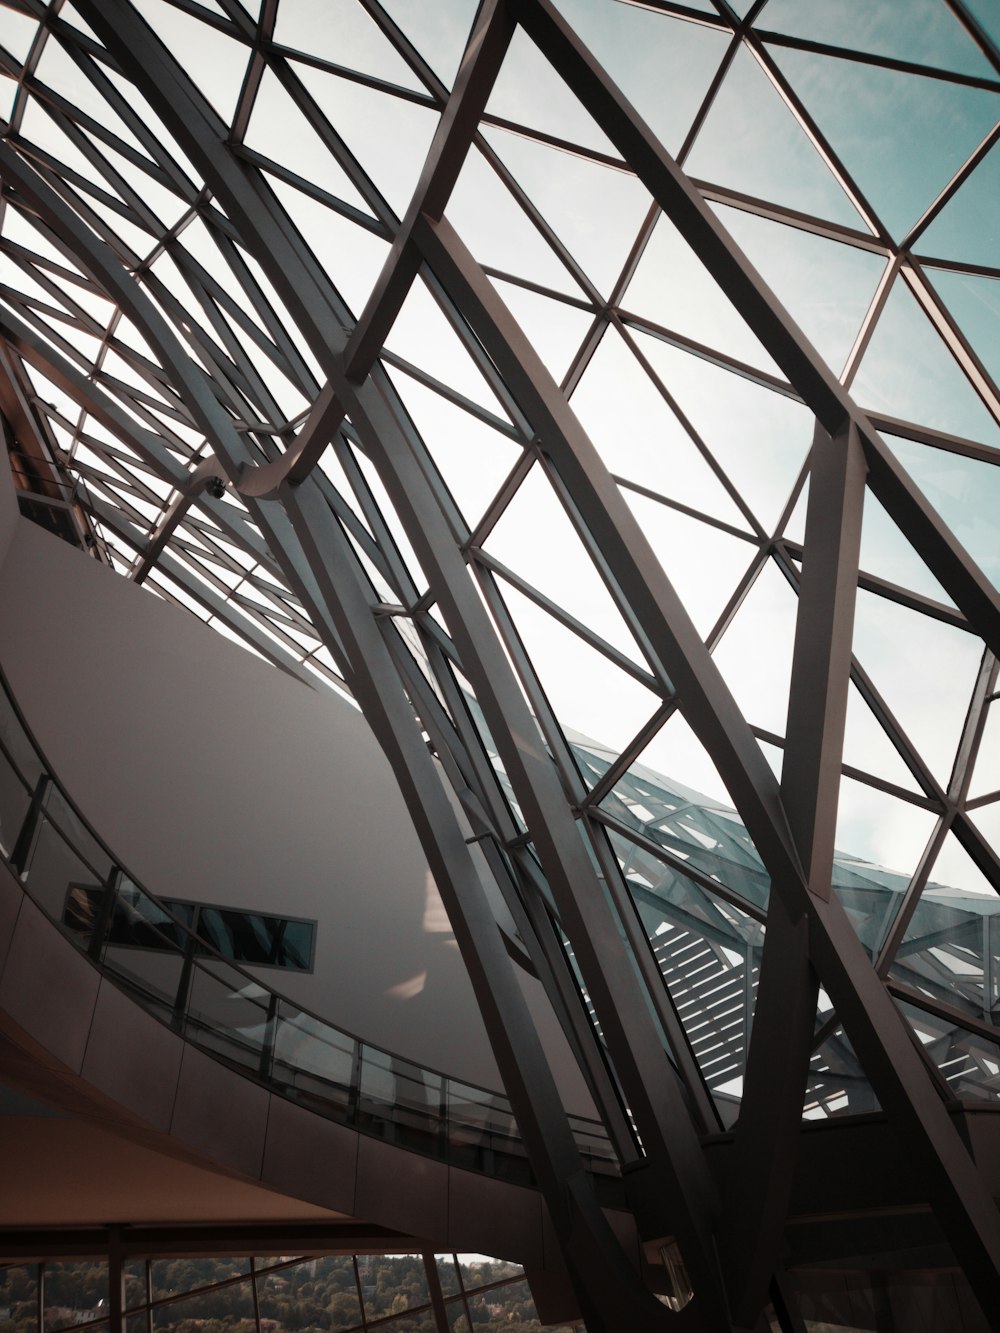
{"points": [[248, 202]]}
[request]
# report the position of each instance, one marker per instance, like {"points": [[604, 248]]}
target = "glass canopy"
{"points": [[536, 372]]}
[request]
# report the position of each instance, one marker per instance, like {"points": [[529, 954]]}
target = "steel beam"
{"points": [[784, 341], [792, 827], [595, 1260], [459, 124], [875, 1027], [589, 1247], [784, 1019]]}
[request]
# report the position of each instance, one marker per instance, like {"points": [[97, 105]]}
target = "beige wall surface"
{"points": [[215, 777]]}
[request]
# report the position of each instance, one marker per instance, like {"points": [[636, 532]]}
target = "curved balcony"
{"points": [[173, 971]]}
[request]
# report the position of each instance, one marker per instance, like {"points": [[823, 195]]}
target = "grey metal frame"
{"points": [[300, 558]]}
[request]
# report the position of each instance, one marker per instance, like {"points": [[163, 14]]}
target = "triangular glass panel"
{"points": [[473, 458], [152, 123], [908, 372], [837, 1084], [986, 819], [752, 143], [391, 519], [40, 128], [23, 282], [703, 563], [925, 671], [941, 952], [128, 333], [887, 554], [671, 287], [351, 255], [759, 676], [19, 31], [595, 210], [214, 61], [279, 310], [974, 303], [555, 328], [760, 438], [423, 336], [388, 135], [115, 365], [986, 773], [985, 12], [72, 15], [676, 758], [826, 287], [124, 235], [498, 231], [439, 32], [775, 757], [166, 206], [165, 284], [859, 107], [199, 243], [535, 539], [530, 92], [9, 91], [332, 468], [955, 868], [879, 840], [709, 960], [707, 835], [86, 345], [51, 395], [279, 130], [927, 34], [644, 52], [588, 693], [964, 491], [640, 438], [342, 32], [969, 1063], [57, 69], [867, 746]]}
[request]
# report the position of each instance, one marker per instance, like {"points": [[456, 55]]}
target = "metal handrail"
{"points": [[258, 1045]]}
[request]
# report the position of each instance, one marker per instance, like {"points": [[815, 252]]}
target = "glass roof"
{"points": [[253, 254]]}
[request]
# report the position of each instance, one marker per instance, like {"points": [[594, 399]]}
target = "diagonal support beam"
{"points": [[589, 1248], [778, 1062], [876, 1028], [806, 371], [607, 1289], [631, 570]]}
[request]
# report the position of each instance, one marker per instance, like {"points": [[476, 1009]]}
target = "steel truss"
{"points": [[249, 450]]}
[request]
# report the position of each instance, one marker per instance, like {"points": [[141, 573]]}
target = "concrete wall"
{"points": [[215, 777]]}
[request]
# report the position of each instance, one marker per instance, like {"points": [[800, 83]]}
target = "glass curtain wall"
{"points": [[592, 392]]}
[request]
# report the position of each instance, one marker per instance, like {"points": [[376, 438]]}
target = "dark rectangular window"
{"points": [[254, 938]]}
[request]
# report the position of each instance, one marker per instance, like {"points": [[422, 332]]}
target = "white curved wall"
{"points": [[215, 777]]}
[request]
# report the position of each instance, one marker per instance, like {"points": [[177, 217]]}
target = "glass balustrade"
{"points": [[153, 952]]}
